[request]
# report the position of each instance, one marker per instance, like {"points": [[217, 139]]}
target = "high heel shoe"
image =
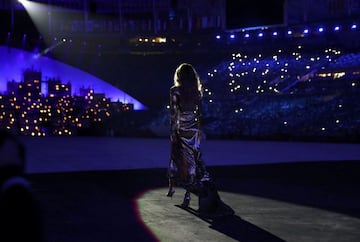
{"points": [[171, 192], [171, 188], [186, 200]]}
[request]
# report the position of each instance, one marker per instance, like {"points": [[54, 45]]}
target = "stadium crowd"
{"points": [[298, 92], [290, 86]]}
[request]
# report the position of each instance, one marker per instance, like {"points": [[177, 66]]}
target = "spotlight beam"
{"points": [[47, 50]]}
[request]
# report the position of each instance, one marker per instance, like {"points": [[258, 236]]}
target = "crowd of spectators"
{"points": [[293, 93], [292, 86]]}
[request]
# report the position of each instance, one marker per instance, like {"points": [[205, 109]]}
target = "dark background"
{"points": [[251, 13]]}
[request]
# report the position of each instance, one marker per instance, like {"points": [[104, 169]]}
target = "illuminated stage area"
{"points": [[113, 189], [15, 61], [257, 218]]}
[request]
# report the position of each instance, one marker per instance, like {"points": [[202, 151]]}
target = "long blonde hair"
{"points": [[186, 77]]}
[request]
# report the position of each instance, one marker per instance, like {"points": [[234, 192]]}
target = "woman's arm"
{"points": [[174, 112]]}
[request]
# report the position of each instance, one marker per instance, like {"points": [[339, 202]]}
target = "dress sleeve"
{"points": [[174, 112]]}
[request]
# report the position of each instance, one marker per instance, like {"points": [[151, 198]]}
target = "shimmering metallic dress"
{"points": [[186, 166]]}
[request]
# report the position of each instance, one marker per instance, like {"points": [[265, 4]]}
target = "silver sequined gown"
{"points": [[186, 166]]}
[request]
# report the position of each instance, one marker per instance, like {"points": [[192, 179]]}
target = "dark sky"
{"points": [[251, 13]]}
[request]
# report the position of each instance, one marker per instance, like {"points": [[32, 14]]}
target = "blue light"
{"points": [[247, 35], [354, 26], [306, 31], [18, 60], [260, 35], [336, 28], [321, 29], [275, 34], [232, 36], [218, 37], [289, 32]]}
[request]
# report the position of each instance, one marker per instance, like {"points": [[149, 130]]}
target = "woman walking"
{"points": [[186, 167]]}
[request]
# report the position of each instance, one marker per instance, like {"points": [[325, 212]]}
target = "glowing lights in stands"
{"points": [[282, 88], [277, 73]]}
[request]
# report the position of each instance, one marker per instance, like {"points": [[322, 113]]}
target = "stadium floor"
{"points": [[112, 189]]}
